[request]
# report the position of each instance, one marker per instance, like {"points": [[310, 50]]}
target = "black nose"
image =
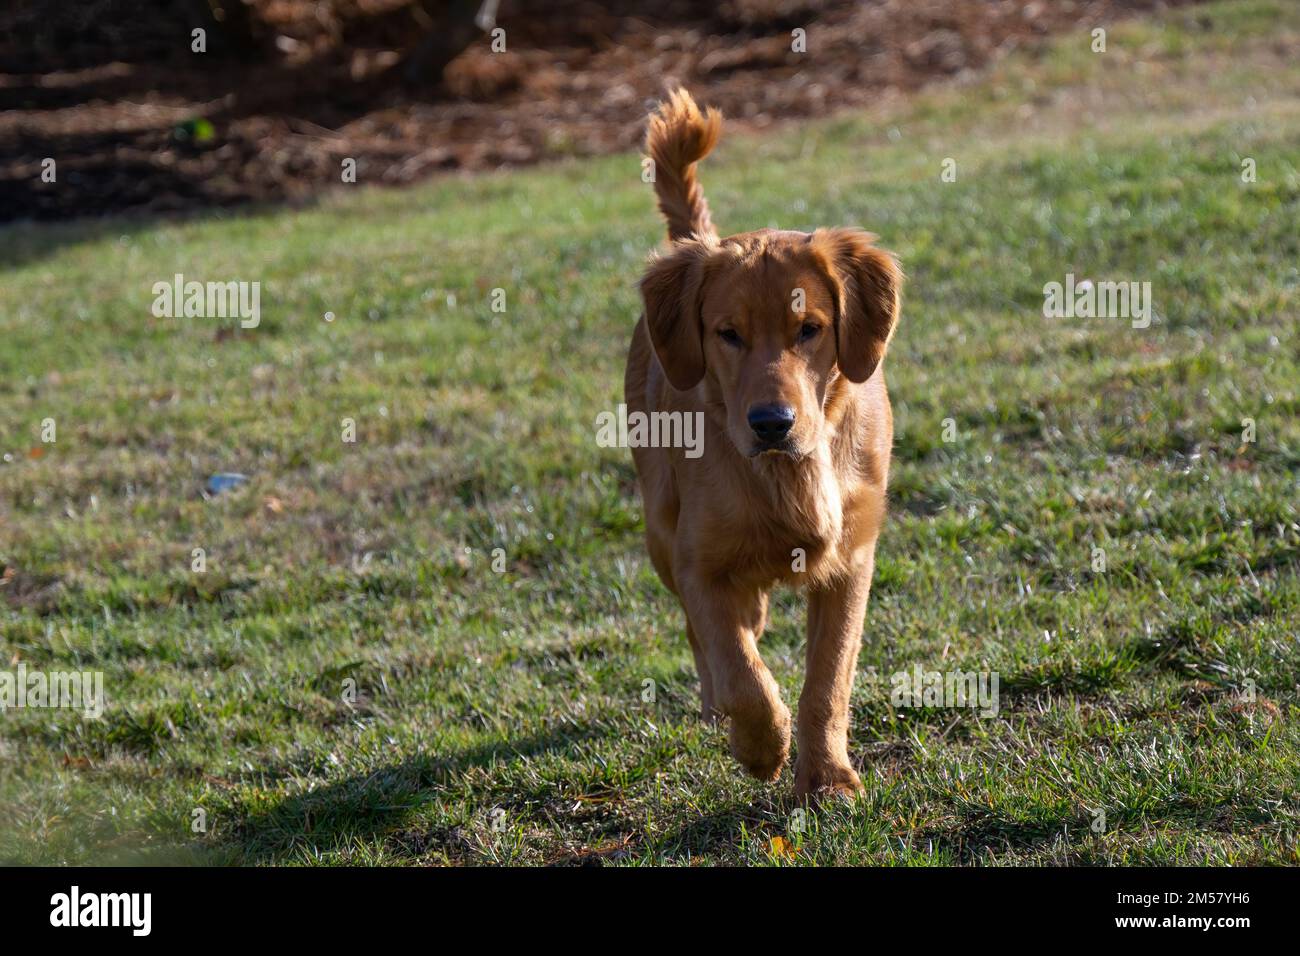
{"points": [[771, 423]]}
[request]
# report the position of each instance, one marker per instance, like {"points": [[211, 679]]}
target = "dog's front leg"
{"points": [[835, 615], [727, 620]]}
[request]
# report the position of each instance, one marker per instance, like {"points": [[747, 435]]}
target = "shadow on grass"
{"points": [[983, 836], [24, 241], [716, 832], [369, 807]]}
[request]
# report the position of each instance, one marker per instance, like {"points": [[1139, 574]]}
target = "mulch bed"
{"points": [[137, 123]]}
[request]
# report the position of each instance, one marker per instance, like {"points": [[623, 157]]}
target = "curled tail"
{"points": [[679, 137]]}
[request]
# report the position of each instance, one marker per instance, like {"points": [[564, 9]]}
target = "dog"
{"points": [[775, 340]]}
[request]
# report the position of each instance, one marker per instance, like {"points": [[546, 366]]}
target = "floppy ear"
{"points": [[868, 284], [671, 289]]}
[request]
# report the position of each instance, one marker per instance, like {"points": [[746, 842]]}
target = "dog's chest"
{"points": [[792, 554], [787, 528]]}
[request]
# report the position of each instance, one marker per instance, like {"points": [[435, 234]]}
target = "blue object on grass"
{"points": [[224, 481]]}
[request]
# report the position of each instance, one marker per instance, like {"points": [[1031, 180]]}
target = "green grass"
{"points": [[499, 716]]}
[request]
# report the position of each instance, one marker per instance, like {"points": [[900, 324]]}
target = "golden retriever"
{"points": [[775, 340]]}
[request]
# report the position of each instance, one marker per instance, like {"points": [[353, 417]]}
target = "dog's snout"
{"points": [[771, 423]]}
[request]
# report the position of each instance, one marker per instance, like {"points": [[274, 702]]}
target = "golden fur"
{"points": [[722, 335]]}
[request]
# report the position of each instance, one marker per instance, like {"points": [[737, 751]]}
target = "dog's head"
{"points": [[768, 320]]}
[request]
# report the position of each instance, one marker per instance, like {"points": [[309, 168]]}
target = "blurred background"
{"points": [[285, 91]]}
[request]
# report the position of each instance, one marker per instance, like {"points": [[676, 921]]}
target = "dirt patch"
{"points": [[135, 121], [39, 593]]}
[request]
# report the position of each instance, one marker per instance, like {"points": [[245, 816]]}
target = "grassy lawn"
{"points": [[1148, 710]]}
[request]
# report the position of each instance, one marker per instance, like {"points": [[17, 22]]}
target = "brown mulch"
{"points": [[112, 93]]}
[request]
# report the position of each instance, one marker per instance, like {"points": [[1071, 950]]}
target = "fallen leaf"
{"points": [[780, 846]]}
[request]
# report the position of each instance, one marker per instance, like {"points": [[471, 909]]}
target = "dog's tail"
{"points": [[679, 137]]}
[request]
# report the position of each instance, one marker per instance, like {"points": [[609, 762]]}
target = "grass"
{"points": [[499, 717]]}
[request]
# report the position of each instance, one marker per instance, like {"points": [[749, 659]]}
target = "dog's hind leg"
{"points": [[707, 709]]}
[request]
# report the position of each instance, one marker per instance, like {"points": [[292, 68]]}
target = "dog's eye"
{"points": [[808, 331], [730, 336]]}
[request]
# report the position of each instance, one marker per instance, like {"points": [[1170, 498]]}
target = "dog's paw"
{"points": [[761, 742], [822, 781]]}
